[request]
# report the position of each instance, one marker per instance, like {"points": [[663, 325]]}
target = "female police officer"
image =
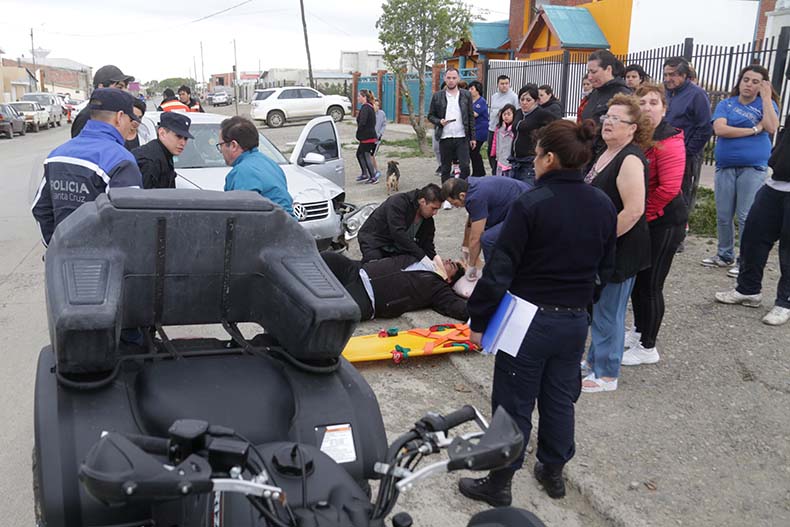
{"points": [[556, 243]]}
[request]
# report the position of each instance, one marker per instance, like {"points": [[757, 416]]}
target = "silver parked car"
{"points": [[315, 171], [51, 102]]}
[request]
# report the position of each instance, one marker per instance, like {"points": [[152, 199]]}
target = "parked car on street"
{"points": [[220, 98], [51, 102], [275, 106], [315, 172], [11, 121], [36, 116]]}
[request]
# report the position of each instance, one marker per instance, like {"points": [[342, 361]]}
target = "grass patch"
{"points": [[702, 221]]}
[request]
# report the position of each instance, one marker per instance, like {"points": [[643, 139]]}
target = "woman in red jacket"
{"points": [[666, 216]]}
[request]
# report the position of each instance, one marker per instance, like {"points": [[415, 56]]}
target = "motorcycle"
{"points": [[288, 415]]}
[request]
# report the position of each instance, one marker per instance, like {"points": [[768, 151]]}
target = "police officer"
{"points": [[155, 158], [548, 257], [89, 164], [170, 103], [185, 96]]}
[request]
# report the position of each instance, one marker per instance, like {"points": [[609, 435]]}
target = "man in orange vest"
{"points": [[185, 96], [170, 103]]}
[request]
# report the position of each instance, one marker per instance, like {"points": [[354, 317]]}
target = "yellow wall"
{"points": [[614, 19]]}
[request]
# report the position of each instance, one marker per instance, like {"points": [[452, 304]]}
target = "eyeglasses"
{"points": [[614, 119], [219, 145]]}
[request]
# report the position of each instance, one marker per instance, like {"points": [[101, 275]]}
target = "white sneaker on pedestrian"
{"points": [[733, 271], [777, 316], [638, 354], [734, 297], [598, 385], [716, 261], [632, 337], [446, 205]]}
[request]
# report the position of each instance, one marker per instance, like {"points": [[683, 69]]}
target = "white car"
{"points": [[315, 172], [278, 105], [36, 116], [220, 98], [51, 102]]}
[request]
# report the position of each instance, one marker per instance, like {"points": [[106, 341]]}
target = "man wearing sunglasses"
{"points": [[105, 77], [155, 158]]}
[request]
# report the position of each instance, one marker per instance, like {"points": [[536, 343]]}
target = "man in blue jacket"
{"points": [[688, 108], [93, 162], [251, 170]]}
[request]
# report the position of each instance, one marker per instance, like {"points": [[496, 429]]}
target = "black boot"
{"points": [[550, 476], [493, 489]]}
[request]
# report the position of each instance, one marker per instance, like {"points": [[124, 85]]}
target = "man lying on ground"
{"points": [[389, 287]]}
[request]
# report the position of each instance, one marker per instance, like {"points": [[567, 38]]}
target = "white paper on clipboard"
{"points": [[516, 326]]}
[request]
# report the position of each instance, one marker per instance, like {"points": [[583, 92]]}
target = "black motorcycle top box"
{"points": [[137, 258]]}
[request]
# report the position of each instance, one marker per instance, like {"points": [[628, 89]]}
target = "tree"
{"points": [[175, 82], [415, 34]]}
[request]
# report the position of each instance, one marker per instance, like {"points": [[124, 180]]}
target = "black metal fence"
{"points": [[717, 69]]}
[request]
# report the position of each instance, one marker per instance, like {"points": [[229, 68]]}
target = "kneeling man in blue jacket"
{"points": [[251, 170]]}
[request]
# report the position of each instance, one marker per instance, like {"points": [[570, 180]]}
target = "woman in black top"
{"points": [[366, 135], [549, 102], [529, 118], [621, 172], [545, 255]]}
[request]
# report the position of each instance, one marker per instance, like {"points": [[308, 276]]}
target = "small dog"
{"points": [[393, 176]]}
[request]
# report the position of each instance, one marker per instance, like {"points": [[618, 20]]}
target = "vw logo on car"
{"points": [[300, 213]]}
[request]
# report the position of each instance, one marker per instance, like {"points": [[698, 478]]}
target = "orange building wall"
{"points": [[614, 19]]}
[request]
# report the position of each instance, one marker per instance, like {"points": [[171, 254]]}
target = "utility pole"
{"points": [[202, 68], [194, 70], [235, 78], [33, 54], [307, 47]]}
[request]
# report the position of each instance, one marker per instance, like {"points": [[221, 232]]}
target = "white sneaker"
{"points": [[446, 205], [639, 355], [600, 384], [777, 316], [632, 337], [734, 297], [733, 271]]}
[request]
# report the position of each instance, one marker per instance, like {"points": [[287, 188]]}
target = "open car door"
{"points": [[320, 137]]}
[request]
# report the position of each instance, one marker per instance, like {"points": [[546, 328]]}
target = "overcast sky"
{"points": [[154, 40]]}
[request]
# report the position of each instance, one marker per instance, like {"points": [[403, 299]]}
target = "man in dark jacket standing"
{"points": [[688, 108], [454, 121], [105, 77], [155, 158], [604, 72], [403, 224], [389, 287]]}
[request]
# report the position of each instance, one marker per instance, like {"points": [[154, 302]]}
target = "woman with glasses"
{"points": [[666, 215], [621, 172], [742, 124]]}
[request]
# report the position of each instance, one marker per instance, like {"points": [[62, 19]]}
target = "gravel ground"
{"points": [[702, 438]]}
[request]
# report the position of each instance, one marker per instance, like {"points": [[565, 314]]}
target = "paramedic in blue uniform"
{"points": [[556, 243]]}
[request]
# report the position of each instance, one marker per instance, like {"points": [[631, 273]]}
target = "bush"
{"points": [[702, 221]]}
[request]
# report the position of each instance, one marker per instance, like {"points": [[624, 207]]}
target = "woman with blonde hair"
{"points": [[621, 171]]}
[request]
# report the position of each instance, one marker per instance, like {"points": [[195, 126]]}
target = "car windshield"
{"points": [[263, 95], [24, 106], [41, 99], [6, 110], [201, 152]]}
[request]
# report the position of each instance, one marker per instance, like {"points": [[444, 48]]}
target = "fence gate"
{"points": [[367, 83], [388, 87]]}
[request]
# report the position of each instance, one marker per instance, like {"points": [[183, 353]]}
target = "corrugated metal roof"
{"points": [[575, 27], [489, 35]]}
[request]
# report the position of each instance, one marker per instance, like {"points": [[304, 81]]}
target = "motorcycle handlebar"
{"points": [[459, 417], [157, 446]]}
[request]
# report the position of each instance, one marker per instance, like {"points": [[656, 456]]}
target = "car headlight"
{"points": [[356, 219]]}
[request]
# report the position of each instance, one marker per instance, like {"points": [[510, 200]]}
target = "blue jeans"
{"points": [[735, 188], [607, 331], [524, 169]]}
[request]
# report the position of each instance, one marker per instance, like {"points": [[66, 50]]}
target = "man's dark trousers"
{"points": [[768, 221], [454, 149], [691, 179], [547, 368], [491, 153]]}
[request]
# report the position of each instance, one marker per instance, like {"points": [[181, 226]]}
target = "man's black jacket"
{"points": [[438, 110], [156, 165], [397, 291], [388, 225]]}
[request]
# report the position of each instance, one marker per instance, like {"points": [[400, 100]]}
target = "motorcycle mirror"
{"points": [[498, 447], [116, 471]]}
